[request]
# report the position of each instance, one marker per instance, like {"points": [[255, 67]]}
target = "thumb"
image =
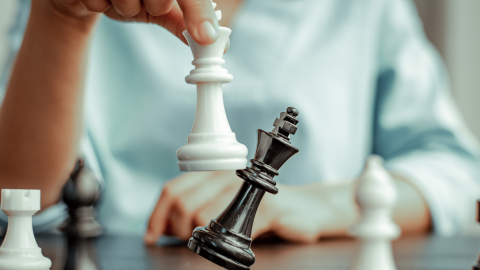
{"points": [[200, 20]]}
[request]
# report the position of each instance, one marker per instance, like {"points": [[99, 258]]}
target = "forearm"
{"points": [[41, 113], [305, 213], [410, 212]]}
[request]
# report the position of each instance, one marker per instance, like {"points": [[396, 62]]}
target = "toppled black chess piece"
{"points": [[80, 194], [226, 240], [477, 265]]}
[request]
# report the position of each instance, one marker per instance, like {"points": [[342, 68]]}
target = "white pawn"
{"points": [[376, 196], [212, 144], [19, 249]]}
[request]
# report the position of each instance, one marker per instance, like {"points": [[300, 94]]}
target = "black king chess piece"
{"points": [[477, 265], [226, 240]]}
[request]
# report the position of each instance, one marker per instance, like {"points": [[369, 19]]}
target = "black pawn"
{"points": [[477, 265], [226, 240], [79, 194]]}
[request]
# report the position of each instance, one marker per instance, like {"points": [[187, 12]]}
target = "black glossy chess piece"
{"points": [[477, 265], [79, 194], [81, 254], [226, 240]]}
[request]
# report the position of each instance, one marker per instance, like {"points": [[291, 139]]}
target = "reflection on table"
{"points": [[129, 252]]}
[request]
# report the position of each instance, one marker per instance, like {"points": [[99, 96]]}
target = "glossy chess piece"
{"points": [[212, 144], [226, 240], [81, 254], [81, 229], [376, 197], [79, 194], [477, 265], [19, 249]]}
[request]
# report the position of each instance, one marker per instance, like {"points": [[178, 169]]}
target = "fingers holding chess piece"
{"points": [[212, 144], [79, 194], [226, 240], [376, 197]]}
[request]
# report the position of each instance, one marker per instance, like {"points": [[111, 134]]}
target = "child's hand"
{"points": [[195, 15], [193, 199]]}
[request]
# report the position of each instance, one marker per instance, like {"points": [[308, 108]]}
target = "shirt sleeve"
{"points": [[11, 37], [418, 129]]}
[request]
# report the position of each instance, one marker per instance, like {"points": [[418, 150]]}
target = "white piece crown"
{"points": [[20, 199], [218, 13]]}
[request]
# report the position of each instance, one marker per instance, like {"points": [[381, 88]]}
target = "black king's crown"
{"points": [[226, 240]]}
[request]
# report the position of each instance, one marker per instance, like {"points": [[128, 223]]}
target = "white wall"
{"points": [[462, 52], [453, 26]]}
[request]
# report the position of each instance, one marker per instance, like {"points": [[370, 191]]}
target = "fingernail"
{"points": [[208, 31], [149, 238]]}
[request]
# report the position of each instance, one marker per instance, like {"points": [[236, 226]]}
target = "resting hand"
{"points": [[193, 199], [195, 15], [297, 214]]}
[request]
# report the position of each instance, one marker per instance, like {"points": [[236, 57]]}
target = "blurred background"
{"points": [[453, 26]]}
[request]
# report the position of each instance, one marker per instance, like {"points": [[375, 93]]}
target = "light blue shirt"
{"points": [[361, 73]]}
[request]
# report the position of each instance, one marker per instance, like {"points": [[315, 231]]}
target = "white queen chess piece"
{"points": [[211, 145], [376, 196], [19, 249]]}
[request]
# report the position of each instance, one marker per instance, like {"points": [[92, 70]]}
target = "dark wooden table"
{"points": [[419, 253]]}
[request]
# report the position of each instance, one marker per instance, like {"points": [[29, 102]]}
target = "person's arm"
{"points": [[309, 212], [417, 127], [40, 118]]}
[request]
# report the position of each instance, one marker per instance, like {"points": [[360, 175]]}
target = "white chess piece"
{"points": [[212, 144], [19, 249], [376, 197]]}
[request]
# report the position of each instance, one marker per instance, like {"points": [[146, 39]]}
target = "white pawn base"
{"points": [[19, 250], [211, 152], [374, 254]]}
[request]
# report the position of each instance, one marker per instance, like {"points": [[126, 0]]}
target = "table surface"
{"points": [[129, 252]]}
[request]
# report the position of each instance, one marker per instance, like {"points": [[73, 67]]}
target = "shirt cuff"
{"points": [[449, 184]]}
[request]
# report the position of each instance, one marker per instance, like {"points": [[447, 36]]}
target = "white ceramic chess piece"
{"points": [[376, 197], [19, 249], [212, 144]]}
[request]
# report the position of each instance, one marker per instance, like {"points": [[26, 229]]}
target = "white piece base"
{"points": [[212, 165], [374, 254], [23, 259], [212, 152]]}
